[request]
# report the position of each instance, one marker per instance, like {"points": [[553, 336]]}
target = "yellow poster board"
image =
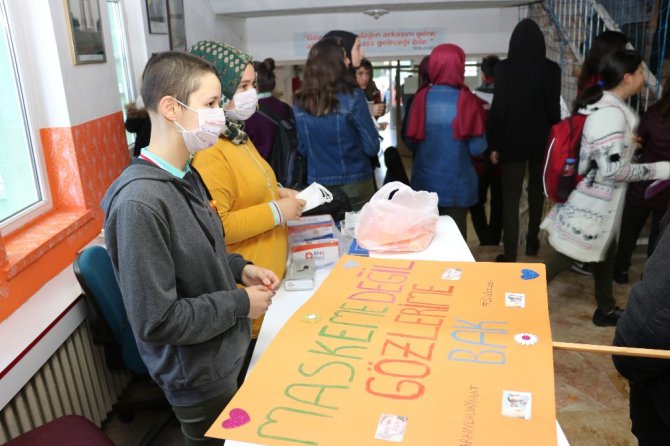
{"points": [[415, 353]]}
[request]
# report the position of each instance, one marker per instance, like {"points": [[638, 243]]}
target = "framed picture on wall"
{"points": [[85, 25], [177, 25], [157, 14]]}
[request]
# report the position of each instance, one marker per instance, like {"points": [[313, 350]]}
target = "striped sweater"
{"points": [[585, 225]]}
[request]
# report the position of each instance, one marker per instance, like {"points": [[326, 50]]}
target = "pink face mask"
{"points": [[211, 122]]}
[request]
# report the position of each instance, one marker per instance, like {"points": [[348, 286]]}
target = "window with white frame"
{"points": [[22, 186], [121, 57]]}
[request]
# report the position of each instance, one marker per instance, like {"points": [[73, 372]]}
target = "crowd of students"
{"points": [[196, 227]]}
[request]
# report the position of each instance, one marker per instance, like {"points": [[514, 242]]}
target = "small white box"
{"points": [[300, 275]]}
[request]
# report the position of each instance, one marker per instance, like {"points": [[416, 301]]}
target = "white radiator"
{"points": [[75, 380]]}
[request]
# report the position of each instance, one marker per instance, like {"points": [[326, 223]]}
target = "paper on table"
{"points": [[314, 195]]}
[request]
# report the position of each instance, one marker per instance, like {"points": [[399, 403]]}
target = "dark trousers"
{"points": [[489, 231], [460, 216], [646, 412], [602, 275], [513, 173], [196, 419], [359, 193], [247, 361], [632, 221]]}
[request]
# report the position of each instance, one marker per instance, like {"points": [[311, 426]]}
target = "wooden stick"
{"points": [[612, 350]]}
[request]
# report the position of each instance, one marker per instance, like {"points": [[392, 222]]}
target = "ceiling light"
{"points": [[376, 13]]}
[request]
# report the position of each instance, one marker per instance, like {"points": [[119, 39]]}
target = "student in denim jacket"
{"points": [[335, 130]]}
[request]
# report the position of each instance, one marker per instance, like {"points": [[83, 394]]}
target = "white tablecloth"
{"points": [[448, 244]]}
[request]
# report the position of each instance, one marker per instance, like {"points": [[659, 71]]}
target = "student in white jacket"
{"points": [[584, 228]]}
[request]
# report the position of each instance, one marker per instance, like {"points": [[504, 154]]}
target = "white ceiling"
{"points": [[267, 8]]}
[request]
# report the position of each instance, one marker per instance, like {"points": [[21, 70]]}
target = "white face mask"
{"points": [[314, 195], [246, 103], [211, 121]]}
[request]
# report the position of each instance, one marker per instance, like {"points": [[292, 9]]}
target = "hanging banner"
{"points": [[410, 352], [380, 42]]}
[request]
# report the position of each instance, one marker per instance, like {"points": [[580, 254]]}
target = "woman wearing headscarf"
{"points": [[446, 124], [526, 103], [253, 208]]}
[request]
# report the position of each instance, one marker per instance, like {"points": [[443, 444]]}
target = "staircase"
{"points": [[570, 26]]}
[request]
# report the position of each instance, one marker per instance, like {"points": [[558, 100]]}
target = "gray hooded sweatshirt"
{"points": [[178, 282]]}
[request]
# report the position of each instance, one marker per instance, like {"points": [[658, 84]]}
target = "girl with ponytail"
{"points": [[584, 228]]}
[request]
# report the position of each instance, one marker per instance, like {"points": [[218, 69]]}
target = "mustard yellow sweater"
{"points": [[242, 184]]}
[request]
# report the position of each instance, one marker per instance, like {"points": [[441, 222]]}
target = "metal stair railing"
{"points": [[579, 21]]}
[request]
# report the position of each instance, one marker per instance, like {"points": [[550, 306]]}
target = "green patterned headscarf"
{"points": [[230, 64], [228, 61]]}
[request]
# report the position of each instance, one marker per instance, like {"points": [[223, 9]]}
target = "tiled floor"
{"points": [[591, 398]]}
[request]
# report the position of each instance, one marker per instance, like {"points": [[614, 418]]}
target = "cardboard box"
{"points": [[322, 251], [310, 228]]}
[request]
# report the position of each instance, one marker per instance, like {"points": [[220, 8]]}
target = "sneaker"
{"points": [[607, 319], [621, 277], [582, 268]]}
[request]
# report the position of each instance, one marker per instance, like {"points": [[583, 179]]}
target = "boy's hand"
{"points": [[260, 299]]}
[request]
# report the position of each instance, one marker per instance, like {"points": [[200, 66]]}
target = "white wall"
{"points": [[200, 24], [59, 93], [200, 21], [135, 15], [477, 31], [90, 89]]}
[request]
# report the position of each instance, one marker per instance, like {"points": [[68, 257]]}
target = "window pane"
{"points": [[120, 58], [19, 183]]}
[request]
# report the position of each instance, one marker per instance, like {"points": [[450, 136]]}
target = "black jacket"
{"points": [[646, 323], [526, 97]]}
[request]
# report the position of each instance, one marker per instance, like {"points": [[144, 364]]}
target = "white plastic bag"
{"points": [[398, 218]]}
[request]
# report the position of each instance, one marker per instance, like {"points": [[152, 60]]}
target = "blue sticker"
{"points": [[529, 274]]}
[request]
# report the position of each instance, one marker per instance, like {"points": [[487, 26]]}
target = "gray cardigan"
{"points": [[178, 282]]}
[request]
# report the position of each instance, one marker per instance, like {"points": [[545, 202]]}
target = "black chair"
{"points": [[94, 271]]}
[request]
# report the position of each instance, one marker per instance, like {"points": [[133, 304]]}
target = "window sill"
{"points": [[27, 246]]}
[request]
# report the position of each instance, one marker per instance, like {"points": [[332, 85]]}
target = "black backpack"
{"points": [[290, 167]]}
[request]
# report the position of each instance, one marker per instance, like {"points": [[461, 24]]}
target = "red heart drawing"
{"points": [[238, 417]]}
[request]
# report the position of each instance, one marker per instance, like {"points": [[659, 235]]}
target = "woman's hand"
{"points": [[291, 207], [495, 157], [378, 109], [256, 275], [637, 142], [285, 192]]}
